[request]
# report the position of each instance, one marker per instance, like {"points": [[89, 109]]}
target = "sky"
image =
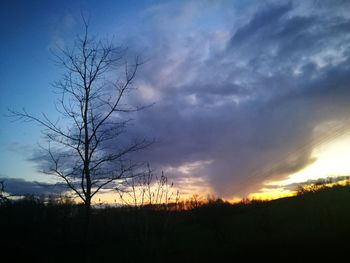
{"points": [[248, 96]]}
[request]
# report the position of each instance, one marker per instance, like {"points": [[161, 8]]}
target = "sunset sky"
{"points": [[249, 96]]}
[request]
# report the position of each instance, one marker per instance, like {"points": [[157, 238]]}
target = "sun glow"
{"points": [[332, 160]]}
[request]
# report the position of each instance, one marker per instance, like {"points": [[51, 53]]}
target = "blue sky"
{"points": [[30, 29], [241, 88]]}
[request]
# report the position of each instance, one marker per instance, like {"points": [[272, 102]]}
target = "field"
{"points": [[309, 226]]}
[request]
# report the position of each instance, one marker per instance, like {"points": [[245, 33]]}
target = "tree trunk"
{"points": [[87, 219], [87, 222]]}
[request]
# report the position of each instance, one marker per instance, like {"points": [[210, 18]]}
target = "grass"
{"points": [[309, 226]]}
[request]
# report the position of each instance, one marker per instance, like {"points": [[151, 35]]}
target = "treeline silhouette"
{"points": [[313, 224]]}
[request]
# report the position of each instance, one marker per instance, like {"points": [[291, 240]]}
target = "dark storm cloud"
{"points": [[20, 187], [247, 102]]}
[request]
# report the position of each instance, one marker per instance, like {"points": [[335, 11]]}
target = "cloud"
{"points": [[250, 100], [260, 24], [239, 88], [19, 148], [317, 182], [20, 187], [61, 26]]}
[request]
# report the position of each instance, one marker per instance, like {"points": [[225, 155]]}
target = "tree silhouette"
{"points": [[3, 197], [83, 151]]}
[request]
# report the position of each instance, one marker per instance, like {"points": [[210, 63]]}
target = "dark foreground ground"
{"points": [[305, 228]]}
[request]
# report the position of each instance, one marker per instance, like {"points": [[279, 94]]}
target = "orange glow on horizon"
{"points": [[332, 160]]}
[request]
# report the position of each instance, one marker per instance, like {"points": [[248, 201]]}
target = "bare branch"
{"points": [[82, 155]]}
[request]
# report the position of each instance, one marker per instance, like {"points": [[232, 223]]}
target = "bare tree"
{"points": [[92, 107]]}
